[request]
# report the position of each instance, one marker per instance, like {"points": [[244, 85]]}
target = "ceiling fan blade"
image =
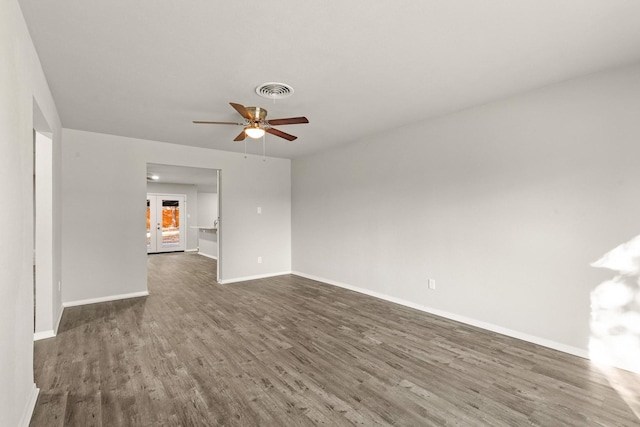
{"points": [[281, 134], [242, 110], [241, 136], [199, 122], [290, 121]]}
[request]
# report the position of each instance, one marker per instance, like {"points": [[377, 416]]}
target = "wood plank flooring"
{"points": [[289, 351]]}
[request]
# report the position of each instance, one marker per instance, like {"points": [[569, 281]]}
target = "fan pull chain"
{"points": [[245, 148]]}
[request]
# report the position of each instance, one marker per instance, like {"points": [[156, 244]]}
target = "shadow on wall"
{"points": [[615, 309]]}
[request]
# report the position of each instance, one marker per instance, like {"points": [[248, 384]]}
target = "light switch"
{"points": [[259, 210]]}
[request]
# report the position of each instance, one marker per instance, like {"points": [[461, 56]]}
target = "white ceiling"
{"points": [[147, 68]]}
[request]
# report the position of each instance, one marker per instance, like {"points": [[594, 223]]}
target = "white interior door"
{"points": [[166, 221]]}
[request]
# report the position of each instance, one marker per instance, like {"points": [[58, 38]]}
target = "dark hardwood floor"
{"points": [[289, 351]]}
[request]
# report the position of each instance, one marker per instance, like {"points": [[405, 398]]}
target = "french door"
{"points": [[165, 223]]}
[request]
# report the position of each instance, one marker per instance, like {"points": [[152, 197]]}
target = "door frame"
{"points": [[218, 172], [46, 295], [219, 230], [182, 200]]}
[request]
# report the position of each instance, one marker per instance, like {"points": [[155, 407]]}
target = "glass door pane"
{"points": [[170, 224]]}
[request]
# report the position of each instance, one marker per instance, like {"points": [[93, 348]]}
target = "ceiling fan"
{"points": [[256, 123]]}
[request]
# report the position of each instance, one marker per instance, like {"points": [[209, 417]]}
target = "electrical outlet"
{"points": [[259, 210], [259, 260], [432, 283]]}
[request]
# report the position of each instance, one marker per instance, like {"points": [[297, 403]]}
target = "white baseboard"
{"points": [[27, 413], [191, 250], [43, 335], [207, 255], [458, 318], [259, 276], [105, 299]]}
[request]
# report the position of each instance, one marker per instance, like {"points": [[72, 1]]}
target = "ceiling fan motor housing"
{"points": [[258, 114]]}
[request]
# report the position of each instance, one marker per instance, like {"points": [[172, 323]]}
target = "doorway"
{"points": [[165, 223], [202, 188], [46, 296]]}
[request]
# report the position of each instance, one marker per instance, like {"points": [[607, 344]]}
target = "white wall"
{"points": [[207, 214], [207, 208], [21, 82], [103, 183], [191, 193], [504, 205]]}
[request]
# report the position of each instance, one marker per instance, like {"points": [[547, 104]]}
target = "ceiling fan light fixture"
{"points": [[256, 124], [254, 131]]}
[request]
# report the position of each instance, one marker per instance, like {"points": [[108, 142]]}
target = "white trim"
{"points": [[207, 255], [105, 299], [25, 420], [191, 250], [246, 278], [169, 194], [37, 336], [57, 325], [452, 316]]}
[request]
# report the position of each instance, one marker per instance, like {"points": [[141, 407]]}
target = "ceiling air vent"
{"points": [[273, 90]]}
